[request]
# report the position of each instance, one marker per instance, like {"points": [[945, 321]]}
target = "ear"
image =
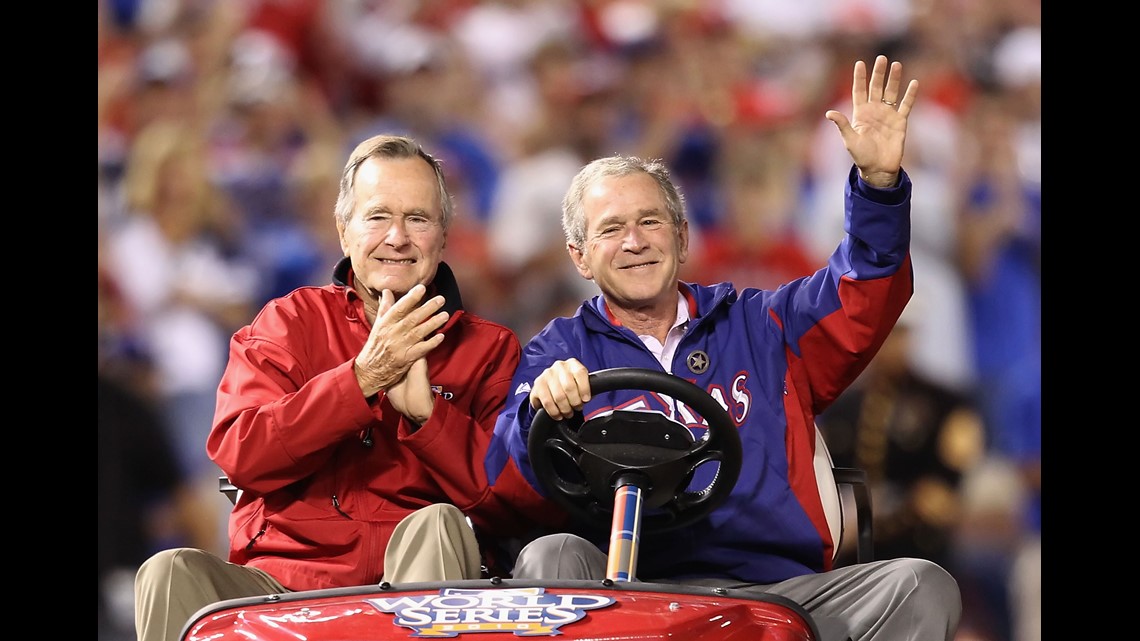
{"points": [[340, 235], [579, 260], [683, 242]]}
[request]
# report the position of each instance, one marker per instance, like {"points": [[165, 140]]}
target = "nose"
{"points": [[634, 239], [397, 233]]}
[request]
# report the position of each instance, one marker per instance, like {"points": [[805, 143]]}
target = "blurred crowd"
{"points": [[224, 124]]}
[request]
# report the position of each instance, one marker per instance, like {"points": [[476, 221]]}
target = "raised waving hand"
{"points": [[876, 133]]}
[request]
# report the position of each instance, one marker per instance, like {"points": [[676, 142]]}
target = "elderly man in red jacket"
{"points": [[355, 416]]}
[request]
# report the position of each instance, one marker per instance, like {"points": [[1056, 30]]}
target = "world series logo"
{"points": [[524, 611]]}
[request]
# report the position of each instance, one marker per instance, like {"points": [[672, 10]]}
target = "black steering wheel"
{"points": [[582, 464]]}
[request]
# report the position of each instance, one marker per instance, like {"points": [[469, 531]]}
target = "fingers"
{"points": [[859, 83], [387, 299], [403, 332], [412, 323], [407, 317], [907, 102], [883, 85], [424, 346], [409, 305], [890, 87], [878, 80], [561, 389], [894, 78]]}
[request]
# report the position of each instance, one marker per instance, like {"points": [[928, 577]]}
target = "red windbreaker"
{"points": [[326, 474]]}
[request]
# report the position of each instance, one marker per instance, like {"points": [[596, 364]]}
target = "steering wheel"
{"points": [[581, 465]]}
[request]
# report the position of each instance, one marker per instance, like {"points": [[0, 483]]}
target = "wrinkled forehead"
{"points": [[623, 199], [397, 185]]}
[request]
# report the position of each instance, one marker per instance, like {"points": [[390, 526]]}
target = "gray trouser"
{"points": [[890, 600], [431, 544]]}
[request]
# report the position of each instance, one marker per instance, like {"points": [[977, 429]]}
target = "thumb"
{"points": [[840, 121]]}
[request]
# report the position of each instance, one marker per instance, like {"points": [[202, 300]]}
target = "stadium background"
{"points": [[223, 126]]}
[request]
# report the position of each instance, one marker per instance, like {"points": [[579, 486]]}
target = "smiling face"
{"points": [[395, 235], [633, 248]]}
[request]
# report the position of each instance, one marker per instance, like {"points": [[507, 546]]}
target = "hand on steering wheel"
{"points": [[581, 464]]}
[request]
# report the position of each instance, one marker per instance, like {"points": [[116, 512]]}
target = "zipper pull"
{"points": [[336, 506]]}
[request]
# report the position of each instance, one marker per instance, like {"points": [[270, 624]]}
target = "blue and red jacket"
{"points": [[776, 359]]}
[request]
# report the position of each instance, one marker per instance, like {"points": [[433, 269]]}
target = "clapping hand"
{"points": [[404, 333]]}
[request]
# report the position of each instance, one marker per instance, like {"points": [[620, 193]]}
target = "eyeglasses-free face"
{"points": [[633, 249]]}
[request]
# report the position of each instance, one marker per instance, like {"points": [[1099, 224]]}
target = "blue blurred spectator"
{"points": [[425, 88], [178, 264], [570, 126], [255, 142], [1000, 250], [1000, 235], [755, 241], [421, 89]]}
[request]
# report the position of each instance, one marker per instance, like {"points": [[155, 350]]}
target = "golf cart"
{"points": [[628, 472]]}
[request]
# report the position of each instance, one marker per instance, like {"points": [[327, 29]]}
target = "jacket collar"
{"points": [[701, 299], [443, 283]]}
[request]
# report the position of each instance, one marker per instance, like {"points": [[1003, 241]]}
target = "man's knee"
{"points": [[441, 513], [434, 543], [438, 517], [169, 587], [560, 556], [173, 562], [553, 545], [931, 585]]}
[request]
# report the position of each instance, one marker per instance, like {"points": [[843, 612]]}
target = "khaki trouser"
{"points": [[431, 544]]}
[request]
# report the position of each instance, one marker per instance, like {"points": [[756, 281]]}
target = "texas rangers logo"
{"points": [[526, 612], [698, 361]]}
